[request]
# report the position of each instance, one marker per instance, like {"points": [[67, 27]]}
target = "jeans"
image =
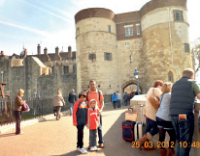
{"points": [[80, 136], [93, 138], [71, 108], [114, 104], [125, 102], [100, 130], [118, 103], [18, 120], [163, 127], [184, 132], [151, 127]]}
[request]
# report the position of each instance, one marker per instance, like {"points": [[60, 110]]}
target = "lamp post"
{"points": [[136, 74]]}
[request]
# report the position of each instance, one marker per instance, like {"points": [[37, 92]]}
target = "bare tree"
{"points": [[196, 53]]}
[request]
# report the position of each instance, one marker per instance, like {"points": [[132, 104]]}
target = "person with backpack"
{"points": [[94, 93]]}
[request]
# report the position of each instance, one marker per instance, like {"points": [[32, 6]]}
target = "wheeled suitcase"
{"points": [[138, 130], [128, 130], [139, 127]]}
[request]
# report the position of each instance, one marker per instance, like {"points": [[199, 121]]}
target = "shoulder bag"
{"points": [[25, 108], [154, 100]]}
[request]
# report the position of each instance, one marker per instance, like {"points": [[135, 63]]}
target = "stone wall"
{"points": [[94, 38], [158, 52]]}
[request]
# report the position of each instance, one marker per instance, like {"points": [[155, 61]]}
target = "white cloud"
{"points": [[57, 10], [24, 28], [47, 11]]}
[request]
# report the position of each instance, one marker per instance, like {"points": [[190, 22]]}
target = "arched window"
{"points": [[170, 77]]}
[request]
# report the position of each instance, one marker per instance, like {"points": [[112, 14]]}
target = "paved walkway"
{"points": [[58, 138]]}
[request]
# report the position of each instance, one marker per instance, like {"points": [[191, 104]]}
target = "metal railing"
{"points": [[38, 107]]}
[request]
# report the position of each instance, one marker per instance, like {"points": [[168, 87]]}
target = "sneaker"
{"points": [[94, 148], [19, 133], [82, 150]]}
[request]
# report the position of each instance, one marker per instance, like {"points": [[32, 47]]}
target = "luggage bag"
{"points": [[128, 130], [139, 127], [131, 115]]}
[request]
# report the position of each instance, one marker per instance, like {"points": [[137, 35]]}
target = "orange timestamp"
{"points": [[166, 144], [150, 144], [185, 144]]}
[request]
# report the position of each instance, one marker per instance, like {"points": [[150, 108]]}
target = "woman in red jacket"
{"points": [[93, 123]]}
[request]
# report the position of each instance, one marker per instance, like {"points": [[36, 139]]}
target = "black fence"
{"points": [[38, 107]]}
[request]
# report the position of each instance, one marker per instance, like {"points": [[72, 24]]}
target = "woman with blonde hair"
{"points": [[164, 122], [58, 102], [18, 109]]}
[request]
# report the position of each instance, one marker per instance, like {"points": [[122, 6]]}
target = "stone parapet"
{"points": [[94, 12], [154, 4]]}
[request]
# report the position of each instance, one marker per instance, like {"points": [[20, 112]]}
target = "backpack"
{"points": [[98, 94]]}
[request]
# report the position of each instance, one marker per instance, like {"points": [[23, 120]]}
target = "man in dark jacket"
{"points": [[72, 99], [183, 95]]}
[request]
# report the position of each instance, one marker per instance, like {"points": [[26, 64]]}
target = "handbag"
{"points": [[131, 115], [25, 108], [154, 100]]}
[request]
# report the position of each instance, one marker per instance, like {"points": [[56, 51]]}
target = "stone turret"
{"points": [[165, 40], [96, 48]]}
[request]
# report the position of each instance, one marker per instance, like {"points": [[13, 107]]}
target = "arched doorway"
{"points": [[131, 86], [170, 77]]}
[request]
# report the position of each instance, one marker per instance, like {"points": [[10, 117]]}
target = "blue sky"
{"points": [[51, 22]]}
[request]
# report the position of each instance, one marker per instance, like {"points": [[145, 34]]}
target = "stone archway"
{"points": [[130, 82]]}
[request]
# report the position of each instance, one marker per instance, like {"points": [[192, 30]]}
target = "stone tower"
{"points": [[165, 40], [96, 48]]}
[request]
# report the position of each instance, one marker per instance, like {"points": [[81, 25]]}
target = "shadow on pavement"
{"points": [[7, 135], [115, 145], [46, 120], [73, 153]]}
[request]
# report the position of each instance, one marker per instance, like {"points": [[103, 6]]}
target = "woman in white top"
{"points": [[150, 114], [58, 102], [164, 122]]}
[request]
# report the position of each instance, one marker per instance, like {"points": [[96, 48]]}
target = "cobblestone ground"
{"points": [[58, 138]]}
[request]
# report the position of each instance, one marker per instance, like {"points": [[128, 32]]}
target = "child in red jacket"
{"points": [[80, 111], [93, 123]]}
